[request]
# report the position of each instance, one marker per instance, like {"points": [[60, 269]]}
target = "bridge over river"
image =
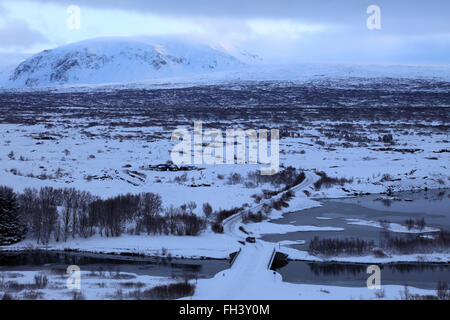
{"points": [[250, 271]]}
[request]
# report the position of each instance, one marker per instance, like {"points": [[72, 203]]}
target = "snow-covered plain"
{"points": [[101, 142], [87, 155], [207, 245], [94, 285], [295, 254], [265, 227], [93, 159], [271, 287], [106, 285], [393, 227]]}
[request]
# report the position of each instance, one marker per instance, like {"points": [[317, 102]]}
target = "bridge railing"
{"points": [[235, 256], [274, 252]]}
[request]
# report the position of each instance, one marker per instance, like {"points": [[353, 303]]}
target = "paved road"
{"points": [[232, 223]]}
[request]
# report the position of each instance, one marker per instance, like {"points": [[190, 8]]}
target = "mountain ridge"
{"points": [[105, 60], [132, 62]]}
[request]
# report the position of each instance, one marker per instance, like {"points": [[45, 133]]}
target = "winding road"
{"points": [[250, 271], [232, 223]]}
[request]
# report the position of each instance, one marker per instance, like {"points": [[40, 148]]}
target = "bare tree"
{"points": [[207, 210]]}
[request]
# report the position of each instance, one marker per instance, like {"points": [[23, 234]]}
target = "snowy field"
{"points": [[374, 136], [92, 143], [104, 142], [95, 285], [105, 285]]}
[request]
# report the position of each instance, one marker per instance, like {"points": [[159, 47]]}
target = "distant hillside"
{"points": [[118, 60]]}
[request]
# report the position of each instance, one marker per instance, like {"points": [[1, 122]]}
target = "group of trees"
{"points": [[414, 243], [60, 214], [327, 182], [289, 177], [418, 224], [334, 247], [249, 216], [54, 212], [110, 216]]}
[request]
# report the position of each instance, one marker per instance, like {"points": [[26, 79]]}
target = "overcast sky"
{"points": [[412, 32]]}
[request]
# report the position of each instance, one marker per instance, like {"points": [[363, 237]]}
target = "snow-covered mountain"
{"points": [[119, 60], [131, 62]]}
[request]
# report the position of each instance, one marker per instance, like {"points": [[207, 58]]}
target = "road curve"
{"points": [[231, 224], [249, 277]]}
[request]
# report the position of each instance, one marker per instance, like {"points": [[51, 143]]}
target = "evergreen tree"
{"points": [[12, 229]]}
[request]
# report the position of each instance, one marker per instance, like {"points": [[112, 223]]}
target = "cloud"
{"points": [[401, 15], [278, 30], [18, 33]]}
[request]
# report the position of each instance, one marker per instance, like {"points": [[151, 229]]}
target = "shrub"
{"points": [[384, 223], [7, 296], [165, 292], [78, 295], [257, 198], [379, 253], [380, 294], [241, 228], [223, 214], [443, 291], [279, 204], [234, 178], [387, 138], [289, 177], [217, 227], [288, 195], [420, 223], [251, 217], [409, 223], [33, 295], [40, 280], [328, 182], [207, 209], [131, 284], [181, 178]]}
